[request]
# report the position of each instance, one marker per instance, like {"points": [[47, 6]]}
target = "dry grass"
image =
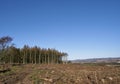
{"points": [[64, 74]]}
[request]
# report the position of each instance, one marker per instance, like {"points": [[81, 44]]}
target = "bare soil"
{"points": [[60, 74]]}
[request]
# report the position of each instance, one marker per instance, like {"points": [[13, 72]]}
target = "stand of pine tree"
{"points": [[35, 55]]}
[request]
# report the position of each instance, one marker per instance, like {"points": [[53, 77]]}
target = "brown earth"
{"points": [[60, 74]]}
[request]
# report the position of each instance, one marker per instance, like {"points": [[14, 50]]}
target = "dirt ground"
{"points": [[60, 74]]}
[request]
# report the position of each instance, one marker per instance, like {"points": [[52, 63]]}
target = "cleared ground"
{"points": [[60, 74]]}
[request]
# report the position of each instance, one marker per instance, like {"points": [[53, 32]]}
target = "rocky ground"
{"points": [[60, 74]]}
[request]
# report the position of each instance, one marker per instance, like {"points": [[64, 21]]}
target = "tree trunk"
{"points": [[39, 57]]}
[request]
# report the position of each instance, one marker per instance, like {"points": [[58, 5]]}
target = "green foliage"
{"points": [[11, 54]]}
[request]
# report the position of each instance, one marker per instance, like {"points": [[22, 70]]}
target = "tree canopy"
{"points": [[10, 54], [4, 42]]}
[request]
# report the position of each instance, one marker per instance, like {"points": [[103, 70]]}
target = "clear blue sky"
{"points": [[82, 28]]}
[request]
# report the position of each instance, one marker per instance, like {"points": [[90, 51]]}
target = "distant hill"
{"points": [[98, 60]]}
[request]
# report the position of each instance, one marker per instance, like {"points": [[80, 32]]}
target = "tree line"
{"points": [[35, 55]]}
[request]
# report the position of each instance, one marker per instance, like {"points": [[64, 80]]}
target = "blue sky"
{"points": [[82, 28]]}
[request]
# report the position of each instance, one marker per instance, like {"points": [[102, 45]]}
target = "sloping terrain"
{"points": [[61, 74], [97, 60]]}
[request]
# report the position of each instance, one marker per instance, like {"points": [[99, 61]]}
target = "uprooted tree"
{"points": [[10, 54]]}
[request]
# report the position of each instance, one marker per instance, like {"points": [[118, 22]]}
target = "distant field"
{"points": [[60, 74]]}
